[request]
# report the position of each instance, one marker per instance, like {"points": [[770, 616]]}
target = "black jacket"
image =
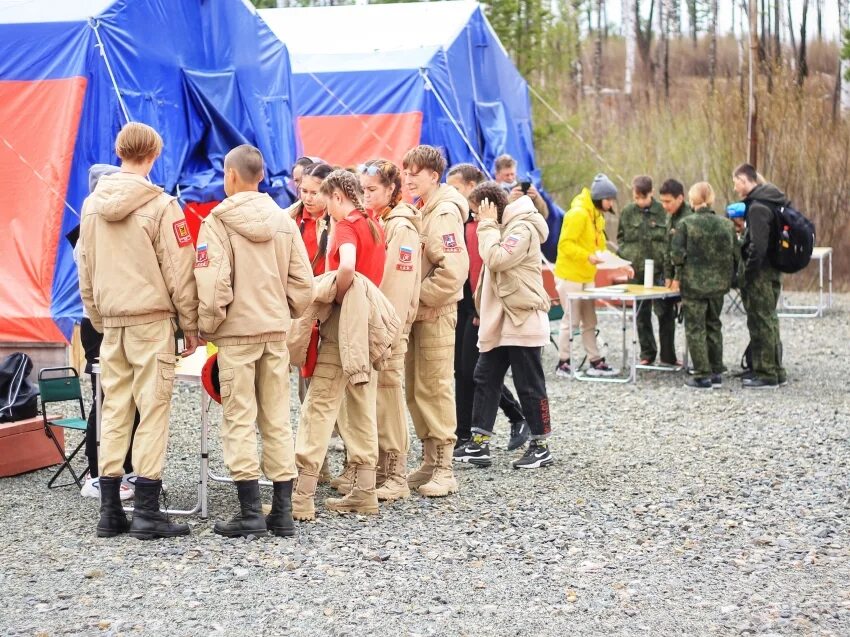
{"points": [[761, 203]]}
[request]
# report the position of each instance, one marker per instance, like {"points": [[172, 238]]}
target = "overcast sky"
{"points": [[830, 16]]}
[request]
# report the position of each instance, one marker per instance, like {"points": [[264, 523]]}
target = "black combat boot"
{"points": [[279, 521], [249, 520], [148, 521], [113, 521]]}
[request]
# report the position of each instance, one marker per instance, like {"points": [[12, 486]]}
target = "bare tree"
{"points": [[597, 49], [752, 124], [802, 64], [644, 38], [712, 43], [819, 5], [630, 33], [791, 31], [844, 66]]}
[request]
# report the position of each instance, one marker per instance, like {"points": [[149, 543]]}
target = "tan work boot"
{"points": [[342, 483], [381, 469], [426, 469], [442, 482], [303, 497], [325, 472], [362, 498], [395, 486]]}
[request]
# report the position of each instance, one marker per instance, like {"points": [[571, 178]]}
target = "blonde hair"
{"points": [[348, 184], [701, 194], [137, 142]]}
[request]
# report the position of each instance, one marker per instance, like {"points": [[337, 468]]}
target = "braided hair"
{"points": [[348, 184]]}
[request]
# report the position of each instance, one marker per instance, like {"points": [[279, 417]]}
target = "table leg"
{"points": [[633, 371], [830, 280], [820, 288], [625, 353], [98, 398], [203, 483], [572, 336]]}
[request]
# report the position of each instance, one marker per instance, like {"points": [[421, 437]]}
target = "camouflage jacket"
{"points": [[673, 222], [641, 235], [703, 254]]}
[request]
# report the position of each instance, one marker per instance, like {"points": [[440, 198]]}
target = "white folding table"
{"points": [[820, 255], [622, 294]]}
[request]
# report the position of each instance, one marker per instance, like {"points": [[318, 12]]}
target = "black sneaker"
{"points": [[717, 380], [699, 383], [759, 383], [537, 455], [600, 368], [476, 451], [519, 435], [460, 442]]}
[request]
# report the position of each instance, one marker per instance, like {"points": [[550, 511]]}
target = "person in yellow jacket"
{"points": [[381, 183], [135, 267], [254, 277], [429, 363], [582, 238]]}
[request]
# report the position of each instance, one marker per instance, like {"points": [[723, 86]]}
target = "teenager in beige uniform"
{"points": [[135, 271], [381, 183], [429, 363], [253, 277]]}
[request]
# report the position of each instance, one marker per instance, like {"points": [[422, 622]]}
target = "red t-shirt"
{"points": [[371, 254], [307, 225]]}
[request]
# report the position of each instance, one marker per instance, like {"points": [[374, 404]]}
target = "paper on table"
{"points": [[611, 261]]}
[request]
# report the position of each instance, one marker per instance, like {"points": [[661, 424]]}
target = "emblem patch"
{"points": [[450, 243], [405, 254], [181, 232], [202, 259]]}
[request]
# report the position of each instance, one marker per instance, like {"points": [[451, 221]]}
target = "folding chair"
{"points": [[56, 388]]}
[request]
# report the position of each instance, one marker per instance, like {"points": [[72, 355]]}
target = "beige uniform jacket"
{"points": [[252, 271], [401, 281], [136, 256], [368, 326], [445, 262], [513, 261]]}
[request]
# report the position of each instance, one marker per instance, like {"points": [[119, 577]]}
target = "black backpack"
{"points": [[18, 396], [792, 240]]}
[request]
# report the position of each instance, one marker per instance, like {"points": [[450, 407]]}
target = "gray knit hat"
{"points": [[602, 188]]}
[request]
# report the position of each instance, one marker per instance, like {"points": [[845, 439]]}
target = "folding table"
{"points": [[625, 294], [812, 311]]}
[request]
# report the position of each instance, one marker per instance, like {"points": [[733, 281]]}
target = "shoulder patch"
{"points": [[202, 259], [181, 233], [450, 243], [405, 254]]}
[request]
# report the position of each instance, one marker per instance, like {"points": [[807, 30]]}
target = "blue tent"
{"points": [[207, 74], [374, 80]]}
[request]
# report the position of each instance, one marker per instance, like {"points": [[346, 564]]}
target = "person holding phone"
{"points": [[505, 173]]}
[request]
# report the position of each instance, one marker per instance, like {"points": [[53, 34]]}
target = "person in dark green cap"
{"points": [[642, 235], [760, 283]]}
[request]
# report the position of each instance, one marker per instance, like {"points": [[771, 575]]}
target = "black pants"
{"points": [[466, 357], [91, 340], [530, 383]]}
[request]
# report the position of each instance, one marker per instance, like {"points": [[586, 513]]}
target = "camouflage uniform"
{"points": [[641, 235], [760, 283], [703, 254]]}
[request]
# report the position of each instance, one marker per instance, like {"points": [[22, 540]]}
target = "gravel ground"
{"points": [[668, 512]]}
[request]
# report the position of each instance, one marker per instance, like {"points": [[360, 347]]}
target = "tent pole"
{"points": [[94, 23]]}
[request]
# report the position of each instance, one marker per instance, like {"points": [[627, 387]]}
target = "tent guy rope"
{"points": [[94, 23]]}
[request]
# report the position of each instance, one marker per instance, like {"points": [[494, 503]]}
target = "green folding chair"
{"points": [[56, 385]]}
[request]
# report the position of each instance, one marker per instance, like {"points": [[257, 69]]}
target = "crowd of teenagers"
{"points": [[387, 309]]}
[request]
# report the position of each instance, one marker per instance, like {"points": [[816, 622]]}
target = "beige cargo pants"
{"points": [[429, 378], [392, 415], [255, 389], [137, 372], [325, 395]]}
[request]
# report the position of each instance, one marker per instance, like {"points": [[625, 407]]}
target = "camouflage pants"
{"points": [[760, 297], [704, 332], [664, 310]]}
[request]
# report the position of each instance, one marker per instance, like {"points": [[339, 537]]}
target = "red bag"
{"points": [[312, 352]]}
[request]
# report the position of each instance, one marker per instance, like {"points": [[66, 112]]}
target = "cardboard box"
{"points": [[25, 446]]}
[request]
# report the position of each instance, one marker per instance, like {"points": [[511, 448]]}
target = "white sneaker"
{"points": [[91, 489]]}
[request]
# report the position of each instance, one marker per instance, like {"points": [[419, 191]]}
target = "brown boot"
{"points": [[303, 502], [395, 486], [381, 470], [426, 469], [442, 482], [342, 483], [362, 498], [325, 472]]}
